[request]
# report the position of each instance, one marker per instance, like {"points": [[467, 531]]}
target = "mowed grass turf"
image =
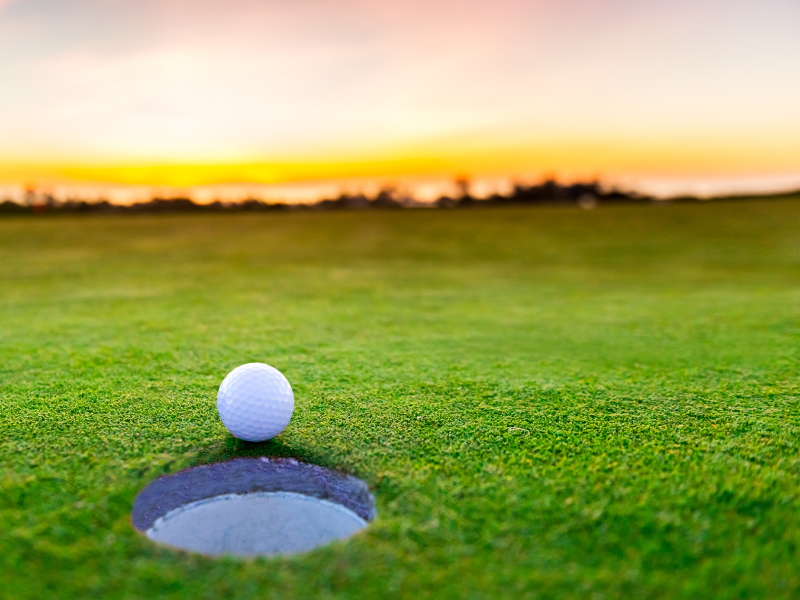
{"points": [[547, 403]]}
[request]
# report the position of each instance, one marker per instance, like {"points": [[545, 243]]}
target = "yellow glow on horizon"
{"points": [[593, 159]]}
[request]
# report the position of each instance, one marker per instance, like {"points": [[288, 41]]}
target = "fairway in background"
{"points": [[548, 402]]}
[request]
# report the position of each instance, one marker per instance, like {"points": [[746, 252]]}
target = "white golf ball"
{"points": [[255, 402]]}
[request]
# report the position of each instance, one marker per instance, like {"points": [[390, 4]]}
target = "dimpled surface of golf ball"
{"points": [[255, 402]]}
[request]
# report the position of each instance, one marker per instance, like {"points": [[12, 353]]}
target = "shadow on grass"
{"points": [[274, 448]]}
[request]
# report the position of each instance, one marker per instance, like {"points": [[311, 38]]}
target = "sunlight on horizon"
{"points": [[197, 98]]}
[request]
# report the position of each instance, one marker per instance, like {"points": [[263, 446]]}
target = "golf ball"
{"points": [[255, 402]]}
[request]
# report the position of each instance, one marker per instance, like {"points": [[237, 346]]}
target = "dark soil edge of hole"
{"points": [[245, 475]]}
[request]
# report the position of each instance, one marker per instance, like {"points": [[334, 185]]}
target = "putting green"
{"points": [[547, 402]]}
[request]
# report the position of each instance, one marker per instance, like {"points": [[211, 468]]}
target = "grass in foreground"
{"points": [[548, 403]]}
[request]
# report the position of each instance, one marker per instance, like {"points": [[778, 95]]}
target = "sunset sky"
{"points": [[144, 95]]}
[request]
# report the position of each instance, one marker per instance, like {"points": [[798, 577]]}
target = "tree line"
{"points": [[583, 194]]}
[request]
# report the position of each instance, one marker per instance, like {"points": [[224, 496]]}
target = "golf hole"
{"points": [[253, 507]]}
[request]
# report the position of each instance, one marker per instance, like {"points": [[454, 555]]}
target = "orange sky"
{"points": [[665, 95]]}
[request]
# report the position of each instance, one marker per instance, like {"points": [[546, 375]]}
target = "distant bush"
{"points": [[9, 207]]}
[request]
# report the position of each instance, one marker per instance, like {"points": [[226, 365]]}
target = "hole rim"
{"points": [[244, 475]]}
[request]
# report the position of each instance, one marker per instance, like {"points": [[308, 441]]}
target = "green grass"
{"points": [[548, 403]]}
